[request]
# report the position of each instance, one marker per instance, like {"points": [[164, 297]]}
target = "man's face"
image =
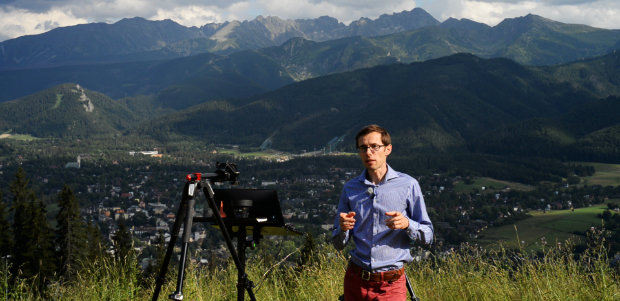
{"points": [[373, 160]]}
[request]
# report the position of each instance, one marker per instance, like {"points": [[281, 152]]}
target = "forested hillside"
{"points": [[453, 103], [457, 103], [66, 111]]}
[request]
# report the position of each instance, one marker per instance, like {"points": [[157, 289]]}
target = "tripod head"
{"points": [[225, 172]]}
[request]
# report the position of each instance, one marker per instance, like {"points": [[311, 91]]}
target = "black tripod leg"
{"points": [[242, 282], [187, 231], [410, 289], [181, 214]]}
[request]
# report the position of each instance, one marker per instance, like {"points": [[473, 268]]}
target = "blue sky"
{"points": [[27, 17]]}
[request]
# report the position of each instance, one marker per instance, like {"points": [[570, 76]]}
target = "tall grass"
{"points": [[474, 274], [104, 279], [470, 273]]}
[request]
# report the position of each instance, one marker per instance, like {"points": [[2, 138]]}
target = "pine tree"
{"points": [[6, 245], [43, 260], [6, 241], [157, 251], [33, 248], [70, 233], [160, 244], [21, 198], [122, 241], [95, 245], [308, 252]]}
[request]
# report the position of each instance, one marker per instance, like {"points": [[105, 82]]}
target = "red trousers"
{"points": [[355, 288]]}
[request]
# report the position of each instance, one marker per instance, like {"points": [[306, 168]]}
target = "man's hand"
{"points": [[347, 221], [396, 221]]}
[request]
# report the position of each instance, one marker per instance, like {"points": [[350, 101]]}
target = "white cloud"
{"points": [[189, 15], [195, 15], [597, 13], [113, 10], [344, 10], [17, 22], [38, 16]]}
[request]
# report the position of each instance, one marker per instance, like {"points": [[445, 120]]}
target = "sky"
{"points": [[28, 17]]}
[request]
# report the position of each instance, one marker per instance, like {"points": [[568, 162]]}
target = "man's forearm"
{"points": [[420, 232], [340, 239]]}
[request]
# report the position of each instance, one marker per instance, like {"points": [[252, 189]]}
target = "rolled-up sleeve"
{"points": [[420, 225], [340, 238]]}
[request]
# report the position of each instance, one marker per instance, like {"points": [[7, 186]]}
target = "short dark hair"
{"points": [[385, 136]]}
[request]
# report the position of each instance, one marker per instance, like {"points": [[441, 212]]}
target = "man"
{"points": [[384, 212]]}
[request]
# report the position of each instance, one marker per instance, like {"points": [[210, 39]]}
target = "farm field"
{"points": [[605, 175], [543, 228], [490, 185]]}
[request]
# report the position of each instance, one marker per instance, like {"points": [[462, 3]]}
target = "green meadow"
{"points": [[20, 137], [605, 175], [490, 185], [543, 228]]}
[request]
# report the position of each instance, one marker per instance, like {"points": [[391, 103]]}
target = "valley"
{"points": [[512, 131]]}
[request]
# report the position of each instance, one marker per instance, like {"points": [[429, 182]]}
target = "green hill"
{"points": [[66, 111], [439, 104], [587, 132]]}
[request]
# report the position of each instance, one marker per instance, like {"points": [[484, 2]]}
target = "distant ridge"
{"points": [[139, 39], [529, 40], [139, 57], [177, 83]]}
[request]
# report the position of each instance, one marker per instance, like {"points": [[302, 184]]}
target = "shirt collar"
{"points": [[391, 174]]}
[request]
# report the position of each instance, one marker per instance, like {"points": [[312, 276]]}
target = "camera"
{"points": [[226, 172]]}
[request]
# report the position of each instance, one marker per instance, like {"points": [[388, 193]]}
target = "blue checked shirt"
{"points": [[377, 247]]}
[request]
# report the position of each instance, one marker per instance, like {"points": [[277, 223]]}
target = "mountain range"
{"points": [[134, 56], [139, 39]]}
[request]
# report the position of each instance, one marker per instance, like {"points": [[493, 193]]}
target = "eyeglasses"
{"points": [[373, 148]]}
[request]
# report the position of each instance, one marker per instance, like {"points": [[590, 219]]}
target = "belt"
{"points": [[389, 276]]}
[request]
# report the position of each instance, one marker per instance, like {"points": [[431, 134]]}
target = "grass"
{"points": [[482, 275], [20, 137], [267, 155], [543, 228], [605, 175], [470, 274], [490, 185], [272, 154], [58, 101]]}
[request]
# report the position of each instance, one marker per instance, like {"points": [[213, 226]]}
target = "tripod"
{"points": [[185, 217]]}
